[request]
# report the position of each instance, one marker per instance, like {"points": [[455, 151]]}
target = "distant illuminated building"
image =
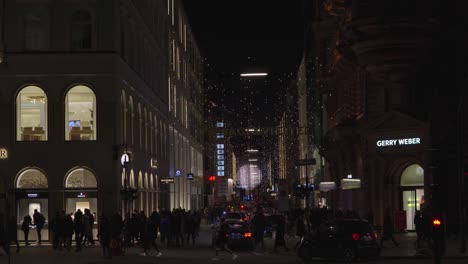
{"points": [[249, 176]]}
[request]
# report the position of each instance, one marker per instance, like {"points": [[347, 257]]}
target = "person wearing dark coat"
{"points": [[68, 232], [388, 228], [78, 225], [280, 232], [39, 221], [12, 235], [116, 232], [258, 223], [27, 221], [165, 228], [104, 234]]}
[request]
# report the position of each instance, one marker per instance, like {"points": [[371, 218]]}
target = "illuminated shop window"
{"points": [[81, 178], [80, 114], [31, 114], [32, 179]]}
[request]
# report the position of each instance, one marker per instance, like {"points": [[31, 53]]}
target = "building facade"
{"points": [[363, 79], [186, 108], [84, 82]]}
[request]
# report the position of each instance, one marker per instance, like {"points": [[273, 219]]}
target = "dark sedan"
{"points": [[347, 239]]}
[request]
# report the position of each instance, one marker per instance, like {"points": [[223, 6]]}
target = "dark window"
{"points": [[81, 30], [35, 30]]}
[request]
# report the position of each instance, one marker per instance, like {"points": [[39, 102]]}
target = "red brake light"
{"points": [[436, 222], [355, 236], [248, 235]]}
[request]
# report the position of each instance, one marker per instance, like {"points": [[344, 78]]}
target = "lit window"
{"points": [[81, 178], [32, 179], [31, 114], [80, 114]]}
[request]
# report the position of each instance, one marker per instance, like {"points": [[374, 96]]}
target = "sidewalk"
{"points": [[407, 248]]}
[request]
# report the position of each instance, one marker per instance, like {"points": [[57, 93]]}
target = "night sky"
{"points": [[242, 36]]}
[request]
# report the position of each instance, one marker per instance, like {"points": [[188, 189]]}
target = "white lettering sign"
{"points": [[398, 142]]}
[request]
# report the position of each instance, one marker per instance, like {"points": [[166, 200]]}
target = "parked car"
{"points": [[347, 239]]}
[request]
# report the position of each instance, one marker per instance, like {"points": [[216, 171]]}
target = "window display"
{"points": [[80, 114], [31, 114]]}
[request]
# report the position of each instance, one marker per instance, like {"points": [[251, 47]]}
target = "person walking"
{"points": [[165, 229], [153, 231], [280, 233], [300, 227], [258, 223], [221, 241], [116, 233], [78, 226], [39, 221], [104, 235], [388, 228], [68, 232], [27, 221], [88, 230], [12, 231]]}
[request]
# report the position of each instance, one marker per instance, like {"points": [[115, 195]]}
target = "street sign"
{"points": [[167, 180], [306, 162]]}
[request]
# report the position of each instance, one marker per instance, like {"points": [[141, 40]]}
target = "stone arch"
{"points": [[80, 177], [31, 178]]}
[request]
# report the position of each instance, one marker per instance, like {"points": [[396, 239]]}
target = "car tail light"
{"points": [[376, 236], [248, 235], [355, 236]]}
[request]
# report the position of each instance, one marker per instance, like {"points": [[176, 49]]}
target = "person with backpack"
{"points": [[39, 221], [27, 221]]}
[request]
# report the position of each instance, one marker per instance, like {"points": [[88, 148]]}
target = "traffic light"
{"points": [[438, 235]]}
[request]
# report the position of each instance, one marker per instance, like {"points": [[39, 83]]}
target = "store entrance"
{"points": [[412, 192]]}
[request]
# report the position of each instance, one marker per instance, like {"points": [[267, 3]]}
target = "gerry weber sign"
{"points": [[398, 142]]}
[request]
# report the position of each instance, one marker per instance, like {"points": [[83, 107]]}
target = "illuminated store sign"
{"points": [[178, 173], [3, 153], [398, 142], [32, 195], [81, 195], [167, 180], [347, 184], [189, 176], [124, 159]]}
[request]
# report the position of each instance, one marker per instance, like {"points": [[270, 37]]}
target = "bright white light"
{"points": [[254, 74], [253, 166], [253, 159], [350, 176], [250, 130], [252, 150]]}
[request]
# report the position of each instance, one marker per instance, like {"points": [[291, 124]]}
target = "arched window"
{"points": [[413, 175], [132, 179], [31, 179], [81, 30], [132, 121], [140, 126], [80, 114], [146, 129], [150, 132], [140, 180], [35, 30], [80, 178], [31, 114], [151, 182], [123, 107], [156, 152]]}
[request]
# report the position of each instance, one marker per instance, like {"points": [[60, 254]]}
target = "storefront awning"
{"points": [[347, 184], [327, 186]]}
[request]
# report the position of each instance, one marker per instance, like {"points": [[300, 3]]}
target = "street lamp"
{"points": [[254, 74]]}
